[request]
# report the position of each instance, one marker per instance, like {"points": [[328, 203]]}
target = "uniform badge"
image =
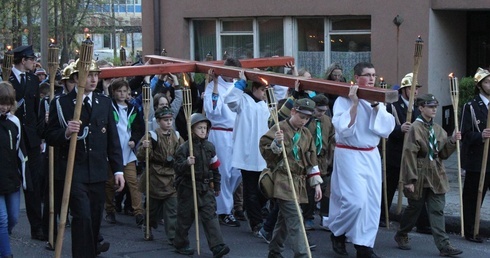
{"points": [[103, 130], [477, 122], [97, 100]]}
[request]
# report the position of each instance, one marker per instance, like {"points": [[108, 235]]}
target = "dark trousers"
{"points": [[206, 203], [392, 178], [86, 206], [325, 201], [58, 195], [270, 221], [470, 194], [33, 197], [309, 208], [253, 200]]}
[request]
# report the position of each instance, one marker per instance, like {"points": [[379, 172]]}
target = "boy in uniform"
{"points": [[424, 177], [208, 179], [162, 147], [302, 159]]}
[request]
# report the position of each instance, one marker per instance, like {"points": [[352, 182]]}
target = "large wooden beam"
{"points": [[246, 63], [128, 71], [175, 65], [319, 85]]}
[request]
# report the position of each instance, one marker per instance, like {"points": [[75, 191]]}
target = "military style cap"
{"points": [[24, 52], [481, 74], [163, 112], [305, 106], [40, 71], [407, 81], [198, 117], [321, 102], [427, 100]]}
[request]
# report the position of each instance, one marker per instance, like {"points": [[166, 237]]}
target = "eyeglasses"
{"points": [[369, 75]]}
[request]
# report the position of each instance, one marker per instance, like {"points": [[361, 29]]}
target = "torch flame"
{"points": [[87, 36], [185, 80], [451, 75], [264, 81], [381, 79], [9, 48], [52, 40], [351, 83]]}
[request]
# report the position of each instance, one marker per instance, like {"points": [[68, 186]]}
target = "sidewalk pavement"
{"points": [[452, 210]]}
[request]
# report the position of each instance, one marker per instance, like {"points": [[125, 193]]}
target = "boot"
{"points": [[365, 252], [338, 244]]}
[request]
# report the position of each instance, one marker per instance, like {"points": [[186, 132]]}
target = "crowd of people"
{"points": [[233, 139]]}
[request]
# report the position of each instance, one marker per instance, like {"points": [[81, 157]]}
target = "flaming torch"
{"points": [[188, 113], [53, 51], [454, 89], [8, 60]]}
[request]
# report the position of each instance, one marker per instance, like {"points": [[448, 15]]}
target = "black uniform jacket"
{"points": [[394, 145], [28, 112], [98, 151], [473, 121]]}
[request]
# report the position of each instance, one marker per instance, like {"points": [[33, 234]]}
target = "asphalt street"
{"points": [[127, 240]]}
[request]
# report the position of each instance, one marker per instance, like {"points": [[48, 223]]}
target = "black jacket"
{"points": [[96, 153], [473, 121], [28, 112], [394, 145]]}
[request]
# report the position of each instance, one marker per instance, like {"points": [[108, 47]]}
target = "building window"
{"points": [[348, 40], [237, 38]]}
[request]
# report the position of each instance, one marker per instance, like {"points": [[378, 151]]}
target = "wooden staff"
{"points": [[146, 111], [8, 60], [271, 99], [454, 88], [419, 43], [482, 181], [188, 113], [53, 51], [383, 85], [83, 65]]}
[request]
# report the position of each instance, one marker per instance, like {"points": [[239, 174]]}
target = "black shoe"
{"points": [[139, 219], [220, 250], [185, 250], [424, 230], [103, 247], [110, 218], [338, 244], [476, 239], [239, 215], [38, 235], [365, 252], [228, 220]]}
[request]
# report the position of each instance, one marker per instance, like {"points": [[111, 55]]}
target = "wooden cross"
{"points": [[164, 64]]}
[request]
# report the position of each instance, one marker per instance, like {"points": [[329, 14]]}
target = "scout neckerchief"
{"points": [[318, 142], [296, 138], [433, 148]]}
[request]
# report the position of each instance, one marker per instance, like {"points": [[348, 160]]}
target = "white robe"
{"points": [[355, 198], [222, 117], [250, 125]]}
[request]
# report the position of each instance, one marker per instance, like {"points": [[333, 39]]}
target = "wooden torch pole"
{"points": [[383, 85], [83, 65], [482, 182], [146, 110], [53, 63], [188, 113], [419, 43], [273, 110], [454, 88]]}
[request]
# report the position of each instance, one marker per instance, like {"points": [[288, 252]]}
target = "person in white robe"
{"points": [[221, 135], [250, 124], [356, 178]]}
